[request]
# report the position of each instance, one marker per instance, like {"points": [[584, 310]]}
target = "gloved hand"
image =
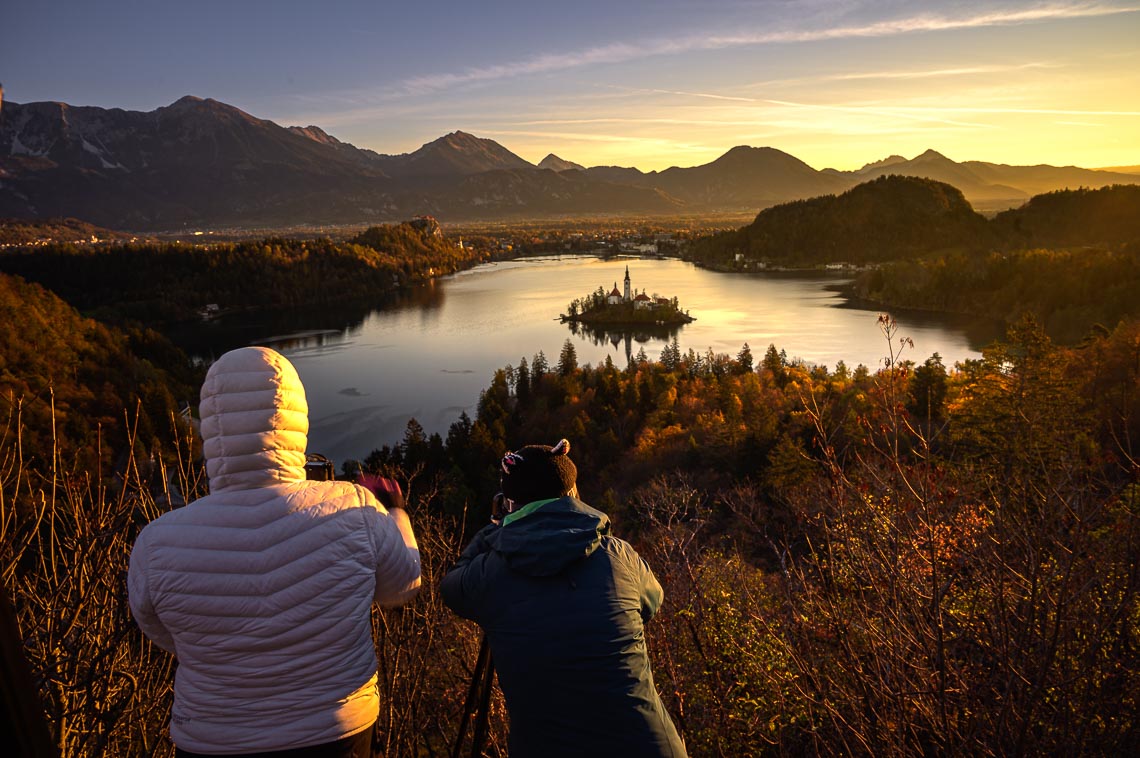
{"points": [[386, 490]]}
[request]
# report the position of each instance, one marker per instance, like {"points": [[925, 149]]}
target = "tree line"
{"points": [[1071, 292], [1072, 258], [164, 283], [906, 218], [908, 559], [890, 560], [69, 382], [886, 560]]}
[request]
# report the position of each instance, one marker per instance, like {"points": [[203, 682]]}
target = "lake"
{"points": [[427, 353]]}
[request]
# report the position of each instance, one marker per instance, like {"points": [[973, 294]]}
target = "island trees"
{"points": [[600, 309]]}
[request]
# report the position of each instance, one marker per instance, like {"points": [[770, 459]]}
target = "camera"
{"points": [[318, 468], [501, 506]]}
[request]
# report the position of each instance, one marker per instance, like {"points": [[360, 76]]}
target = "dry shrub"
{"points": [[65, 541], [427, 658], [923, 596], [718, 659], [66, 537], [980, 603]]}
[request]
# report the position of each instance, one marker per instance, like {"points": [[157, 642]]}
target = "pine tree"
{"points": [[671, 356], [567, 359], [928, 390], [522, 381], [414, 444], [744, 359], [538, 366]]}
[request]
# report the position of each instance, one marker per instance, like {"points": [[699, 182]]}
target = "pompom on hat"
{"points": [[539, 472]]}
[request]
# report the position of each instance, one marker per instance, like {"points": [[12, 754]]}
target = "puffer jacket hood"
{"points": [[264, 588], [255, 421], [545, 542]]}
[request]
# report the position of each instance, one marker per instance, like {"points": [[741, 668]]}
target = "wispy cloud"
{"points": [[709, 95], [937, 73], [1015, 111], [914, 114], [637, 120], [672, 144], [629, 51]]}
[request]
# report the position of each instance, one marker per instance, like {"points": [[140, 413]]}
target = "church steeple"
{"points": [[628, 296]]}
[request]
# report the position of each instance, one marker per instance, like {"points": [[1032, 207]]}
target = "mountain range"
{"points": [[202, 163]]}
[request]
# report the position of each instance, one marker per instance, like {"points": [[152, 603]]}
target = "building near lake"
{"points": [[628, 307]]}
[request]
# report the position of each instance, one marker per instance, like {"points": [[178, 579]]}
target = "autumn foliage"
{"points": [[894, 560]]}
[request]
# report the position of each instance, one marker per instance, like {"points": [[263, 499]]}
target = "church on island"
{"points": [[619, 307], [640, 301]]}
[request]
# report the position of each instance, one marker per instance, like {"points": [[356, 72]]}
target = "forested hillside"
{"points": [[1109, 216], [911, 558], [906, 558], [1071, 292], [898, 218], [915, 559], [886, 219], [170, 282], [1072, 258], [71, 383], [27, 231]]}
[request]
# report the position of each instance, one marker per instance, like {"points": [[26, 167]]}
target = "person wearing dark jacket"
{"points": [[563, 605]]}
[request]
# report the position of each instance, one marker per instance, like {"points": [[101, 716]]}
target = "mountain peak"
{"points": [[458, 137], [186, 101], [207, 110], [459, 153], [746, 150], [316, 134], [931, 155], [553, 163], [753, 157], [890, 160]]}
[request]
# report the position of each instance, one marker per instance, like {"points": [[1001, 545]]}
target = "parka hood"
{"points": [[545, 542], [255, 420]]}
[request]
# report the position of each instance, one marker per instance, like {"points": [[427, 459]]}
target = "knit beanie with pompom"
{"points": [[538, 472]]}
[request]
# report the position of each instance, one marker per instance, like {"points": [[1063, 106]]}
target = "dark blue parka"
{"points": [[563, 606]]}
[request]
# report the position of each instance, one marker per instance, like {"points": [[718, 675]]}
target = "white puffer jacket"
{"points": [[263, 589]]}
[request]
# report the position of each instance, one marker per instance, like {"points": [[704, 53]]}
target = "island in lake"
{"points": [[625, 308]]}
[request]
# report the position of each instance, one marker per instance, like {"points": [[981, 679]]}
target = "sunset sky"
{"points": [[648, 83]]}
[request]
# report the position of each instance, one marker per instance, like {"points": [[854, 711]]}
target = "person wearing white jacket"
{"points": [[263, 589]]}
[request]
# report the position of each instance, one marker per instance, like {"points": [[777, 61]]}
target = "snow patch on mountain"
{"points": [[19, 148], [101, 155]]}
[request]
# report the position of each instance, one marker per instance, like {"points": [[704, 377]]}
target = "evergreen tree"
{"points": [[538, 366], [927, 390], [415, 444], [459, 436], [567, 359], [522, 381], [775, 363], [744, 360], [671, 355]]}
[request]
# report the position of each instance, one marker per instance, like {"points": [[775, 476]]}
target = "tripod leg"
{"points": [[482, 721], [473, 691]]}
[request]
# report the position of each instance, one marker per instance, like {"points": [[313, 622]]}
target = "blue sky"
{"points": [[651, 84]]}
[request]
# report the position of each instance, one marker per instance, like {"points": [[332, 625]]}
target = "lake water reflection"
{"points": [[428, 354]]}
